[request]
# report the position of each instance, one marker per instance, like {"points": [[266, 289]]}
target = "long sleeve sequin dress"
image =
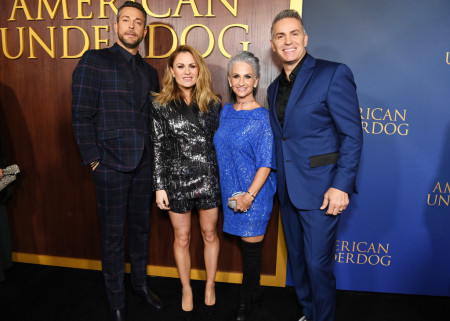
{"points": [[185, 164], [244, 143]]}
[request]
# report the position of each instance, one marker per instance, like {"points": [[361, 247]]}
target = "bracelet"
{"points": [[251, 194]]}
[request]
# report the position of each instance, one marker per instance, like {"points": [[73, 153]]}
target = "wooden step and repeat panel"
{"points": [[52, 215]]}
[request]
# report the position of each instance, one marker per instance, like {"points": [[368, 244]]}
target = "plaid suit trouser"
{"points": [[123, 196]]}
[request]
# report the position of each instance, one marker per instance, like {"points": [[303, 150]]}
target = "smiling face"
{"points": [[185, 71], [130, 28], [242, 80], [289, 41]]}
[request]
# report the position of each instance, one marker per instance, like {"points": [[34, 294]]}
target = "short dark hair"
{"points": [[288, 13], [132, 4]]}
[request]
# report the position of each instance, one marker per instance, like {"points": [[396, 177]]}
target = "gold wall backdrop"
{"points": [[53, 215]]}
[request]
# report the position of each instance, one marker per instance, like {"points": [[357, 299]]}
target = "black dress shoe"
{"points": [[148, 296], [303, 318], [117, 315]]}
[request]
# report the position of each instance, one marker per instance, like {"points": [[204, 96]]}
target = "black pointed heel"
{"points": [[210, 311], [187, 315]]}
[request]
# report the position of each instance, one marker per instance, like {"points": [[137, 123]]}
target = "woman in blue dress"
{"points": [[245, 154]]}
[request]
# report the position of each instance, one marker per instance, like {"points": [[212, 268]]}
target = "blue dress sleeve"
{"points": [[265, 149]]}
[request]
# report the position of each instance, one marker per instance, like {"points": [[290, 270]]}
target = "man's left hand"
{"points": [[336, 201]]}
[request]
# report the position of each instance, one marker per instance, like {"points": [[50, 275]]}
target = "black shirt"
{"points": [[137, 70], [284, 90]]}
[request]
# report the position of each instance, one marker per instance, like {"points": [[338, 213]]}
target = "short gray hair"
{"points": [[245, 56], [288, 13]]}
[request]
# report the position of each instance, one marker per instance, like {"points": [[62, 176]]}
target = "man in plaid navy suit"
{"points": [[110, 118]]}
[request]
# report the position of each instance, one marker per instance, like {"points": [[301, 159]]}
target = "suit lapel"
{"points": [[301, 80], [187, 113], [273, 93]]}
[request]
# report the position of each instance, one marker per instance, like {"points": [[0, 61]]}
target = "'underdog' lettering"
{"points": [[384, 121], [362, 253]]}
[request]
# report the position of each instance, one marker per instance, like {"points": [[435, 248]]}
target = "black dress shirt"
{"points": [[284, 90], [137, 70]]}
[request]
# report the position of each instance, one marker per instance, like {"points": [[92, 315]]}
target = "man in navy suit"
{"points": [[110, 118], [318, 137]]}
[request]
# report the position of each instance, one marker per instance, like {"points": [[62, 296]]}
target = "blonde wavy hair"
{"points": [[201, 94]]}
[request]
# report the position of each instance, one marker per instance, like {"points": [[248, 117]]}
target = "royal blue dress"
{"points": [[244, 143]]}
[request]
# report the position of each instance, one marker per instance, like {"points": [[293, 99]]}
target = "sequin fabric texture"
{"points": [[244, 143], [185, 163]]}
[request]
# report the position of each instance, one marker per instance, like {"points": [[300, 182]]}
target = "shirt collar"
{"points": [[294, 72], [128, 55]]}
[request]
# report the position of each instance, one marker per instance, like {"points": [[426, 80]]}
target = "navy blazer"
{"points": [[320, 143], [109, 124]]}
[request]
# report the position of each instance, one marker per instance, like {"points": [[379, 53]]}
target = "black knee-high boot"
{"points": [[250, 289]]}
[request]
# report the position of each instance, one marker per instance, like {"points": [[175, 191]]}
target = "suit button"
{"points": [[284, 138]]}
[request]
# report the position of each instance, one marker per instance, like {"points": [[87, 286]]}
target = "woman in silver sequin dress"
{"points": [[245, 153], [185, 118]]}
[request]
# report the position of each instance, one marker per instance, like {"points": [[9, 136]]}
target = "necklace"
{"points": [[245, 102], [242, 105]]}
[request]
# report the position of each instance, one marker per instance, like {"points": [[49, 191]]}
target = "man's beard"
{"points": [[130, 45]]}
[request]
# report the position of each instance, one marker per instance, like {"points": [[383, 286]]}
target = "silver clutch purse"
{"points": [[232, 203], [9, 175]]}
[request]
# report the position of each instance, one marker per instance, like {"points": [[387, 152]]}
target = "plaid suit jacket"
{"points": [[108, 122]]}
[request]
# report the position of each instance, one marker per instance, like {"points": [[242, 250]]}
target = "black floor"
{"points": [[36, 292]]}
